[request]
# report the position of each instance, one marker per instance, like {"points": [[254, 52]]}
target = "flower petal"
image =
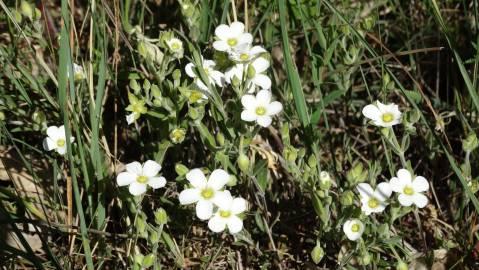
{"points": [[235, 224], [419, 199], [189, 195], [49, 144], [189, 69], [264, 120], [151, 168], [248, 101], [197, 178], [245, 38], [222, 31], [125, 178], [130, 118], [405, 200], [236, 28], [274, 108], [383, 191], [136, 188], [217, 224], [420, 184], [248, 116], [397, 185], [221, 46], [238, 206], [365, 190], [204, 209], [223, 199], [262, 81], [157, 182], [257, 50], [263, 97], [61, 150], [217, 77], [134, 167], [53, 133], [372, 112], [218, 179], [260, 64], [404, 175]]}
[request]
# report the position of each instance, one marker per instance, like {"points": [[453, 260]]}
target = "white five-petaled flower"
{"points": [[259, 108], [353, 228], [410, 189], [383, 115], [78, 72], [56, 140], [374, 201], [231, 37], [176, 46], [214, 76], [245, 53], [252, 73], [138, 177], [205, 193], [227, 214]]}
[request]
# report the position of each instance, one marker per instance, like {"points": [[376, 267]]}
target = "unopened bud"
{"points": [[243, 163], [470, 143], [161, 217], [347, 198], [181, 169], [324, 180]]}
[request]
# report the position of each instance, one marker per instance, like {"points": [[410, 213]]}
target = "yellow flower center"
{"points": [[232, 41], [388, 117], [225, 214], [207, 193], [355, 228], [244, 56], [142, 179], [408, 191], [195, 96], [175, 46], [260, 111], [373, 203], [61, 142]]}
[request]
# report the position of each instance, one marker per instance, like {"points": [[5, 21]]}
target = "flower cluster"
{"points": [[247, 74], [213, 203], [409, 188]]}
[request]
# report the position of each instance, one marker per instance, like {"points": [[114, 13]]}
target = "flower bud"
{"points": [[193, 113], [312, 161], [369, 22], [177, 135], [317, 253], [220, 138], [232, 181], [243, 163], [176, 75], [470, 143], [148, 260], [18, 16], [251, 72], [140, 225], [365, 258], [153, 237], [236, 82], [347, 198], [356, 174], [26, 10], [181, 169], [473, 185], [161, 217], [2, 116], [142, 50], [290, 153], [324, 180], [155, 91], [401, 266]]}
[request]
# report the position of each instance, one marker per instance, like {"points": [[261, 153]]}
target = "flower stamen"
{"points": [[260, 111], [207, 193], [60, 142], [408, 190], [142, 179], [373, 203], [225, 214], [388, 117], [355, 228]]}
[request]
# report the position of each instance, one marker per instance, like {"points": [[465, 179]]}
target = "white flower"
{"points": [[138, 177], [130, 118], [204, 192], [410, 189], [353, 228], [260, 108], [383, 115], [230, 37], [214, 76], [250, 74], [56, 140], [176, 46], [374, 201], [245, 53], [227, 214], [78, 72]]}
